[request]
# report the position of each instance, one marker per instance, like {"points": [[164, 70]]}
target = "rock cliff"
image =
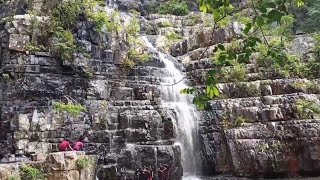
{"points": [[120, 109]]}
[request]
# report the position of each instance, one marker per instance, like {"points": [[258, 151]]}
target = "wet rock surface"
{"points": [[125, 123], [62, 165]]}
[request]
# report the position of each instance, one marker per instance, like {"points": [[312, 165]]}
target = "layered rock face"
{"points": [[123, 122], [54, 165], [274, 140]]}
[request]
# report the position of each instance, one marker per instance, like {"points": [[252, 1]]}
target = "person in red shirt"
{"points": [[64, 145], [79, 144]]}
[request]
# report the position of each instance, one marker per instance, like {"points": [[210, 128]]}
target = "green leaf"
{"points": [[212, 72], [275, 15], [221, 47], [260, 21], [300, 3], [232, 55], [216, 91], [271, 5], [211, 93], [248, 28], [262, 9], [216, 15]]}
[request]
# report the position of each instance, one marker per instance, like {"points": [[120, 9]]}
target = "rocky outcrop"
{"points": [[123, 121], [252, 130], [274, 140], [63, 165]]}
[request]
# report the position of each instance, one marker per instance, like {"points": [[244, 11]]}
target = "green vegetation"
{"points": [[307, 109], [73, 109], [226, 124], [313, 65], [266, 18], [275, 147], [110, 22], [173, 37], [275, 59], [101, 19], [309, 16], [65, 15], [14, 178], [235, 73], [138, 56], [311, 87], [194, 18], [240, 120], [128, 64], [133, 29], [31, 173], [66, 44], [64, 18], [138, 52], [165, 24], [174, 7], [84, 162], [35, 48]]}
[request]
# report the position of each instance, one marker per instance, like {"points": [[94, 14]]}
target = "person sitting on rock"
{"points": [[79, 144], [64, 145]]}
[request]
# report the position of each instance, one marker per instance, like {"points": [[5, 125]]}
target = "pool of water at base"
{"points": [[228, 177]]}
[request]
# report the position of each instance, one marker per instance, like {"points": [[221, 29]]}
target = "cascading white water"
{"points": [[186, 115]]}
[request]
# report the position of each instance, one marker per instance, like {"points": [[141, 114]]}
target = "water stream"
{"points": [[186, 115]]}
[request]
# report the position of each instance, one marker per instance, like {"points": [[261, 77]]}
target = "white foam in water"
{"points": [[190, 178], [186, 113], [35, 116]]}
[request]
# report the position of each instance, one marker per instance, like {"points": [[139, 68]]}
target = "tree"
{"points": [[265, 14]]}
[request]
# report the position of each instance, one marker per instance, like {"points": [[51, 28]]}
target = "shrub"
{"points": [[65, 15], [101, 20], [306, 109], [66, 44], [84, 162], [173, 37], [313, 65], [35, 48], [128, 64], [208, 20], [31, 173], [139, 56], [235, 74], [194, 19], [174, 7], [309, 16], [165, 24], [73, 109], [134, 27], [14, 178], [276, 59], [311, 86], [240, 120]]}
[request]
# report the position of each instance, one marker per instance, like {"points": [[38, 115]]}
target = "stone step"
{"points": [[132, 103], [149, 71], [202, 39], [198, 70], [265, 101], [264, 88], [276, 130]]}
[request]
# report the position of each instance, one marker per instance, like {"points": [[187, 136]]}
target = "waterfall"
{"points": [[186, 115]]}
